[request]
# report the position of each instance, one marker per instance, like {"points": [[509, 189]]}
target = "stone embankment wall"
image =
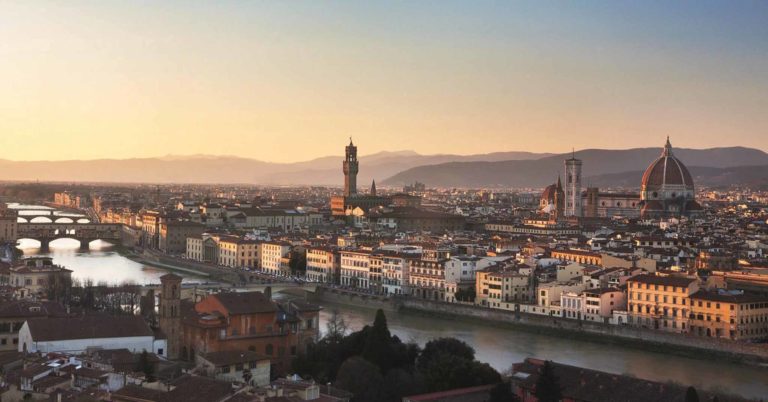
{"points": [[641, 337], [345, 297]]}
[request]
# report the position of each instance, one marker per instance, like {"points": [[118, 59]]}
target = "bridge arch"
{"points": [[83, 220], [64, 239], [40, 219], [29, 243], [64, 219]]}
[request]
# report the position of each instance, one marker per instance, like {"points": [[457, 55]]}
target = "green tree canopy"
{"points": [[362, 378]]}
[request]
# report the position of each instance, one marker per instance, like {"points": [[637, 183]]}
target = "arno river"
{"points": [[498, 346]]}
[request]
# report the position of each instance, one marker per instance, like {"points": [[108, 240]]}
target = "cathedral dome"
{"points": [[665, 171], [667, 188]]}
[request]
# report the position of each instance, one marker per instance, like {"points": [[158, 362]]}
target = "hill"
{"points": [[230, 169], [599, 164]]}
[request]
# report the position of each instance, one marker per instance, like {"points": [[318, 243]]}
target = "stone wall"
{"points": [[757, 353], [341, 296]]}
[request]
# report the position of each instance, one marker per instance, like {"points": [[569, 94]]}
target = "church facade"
{"points": [[666, 190]]}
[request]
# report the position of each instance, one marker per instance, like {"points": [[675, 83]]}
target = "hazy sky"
{"points": [[292, 80]]}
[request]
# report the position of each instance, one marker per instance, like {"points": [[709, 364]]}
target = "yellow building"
{"points": [[237, 252], [494, 286], [732, 315], [660, 302], [578, 256]]}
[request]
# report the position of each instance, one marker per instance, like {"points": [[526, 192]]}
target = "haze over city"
{"points": [[288, 81]]}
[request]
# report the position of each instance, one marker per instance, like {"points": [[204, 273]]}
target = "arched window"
{"points": [[269, 350]]}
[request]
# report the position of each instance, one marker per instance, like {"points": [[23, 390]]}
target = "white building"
{"points": [[271, 255], [393, 268], [355, 269], [548, 294], [79, 334]]}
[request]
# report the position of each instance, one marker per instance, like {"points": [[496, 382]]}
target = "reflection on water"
{"points": [[100, 264], [501, 347]]}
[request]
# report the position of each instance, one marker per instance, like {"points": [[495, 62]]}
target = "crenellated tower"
{"points": [[350, 170]]}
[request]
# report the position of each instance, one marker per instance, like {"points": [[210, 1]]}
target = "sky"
{"points": [[287, 81]]}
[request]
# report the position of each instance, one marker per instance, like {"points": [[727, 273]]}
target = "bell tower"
{"points": [[169, 313], [350, 170], [573, 202]]}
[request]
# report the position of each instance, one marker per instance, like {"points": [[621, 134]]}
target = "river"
{"points": [[500, 347]]}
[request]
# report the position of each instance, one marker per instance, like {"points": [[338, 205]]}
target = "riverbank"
{"points": [[156, 262], [755, 355]]}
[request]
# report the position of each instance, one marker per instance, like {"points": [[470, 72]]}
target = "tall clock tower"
{"points": [[350, 170]]}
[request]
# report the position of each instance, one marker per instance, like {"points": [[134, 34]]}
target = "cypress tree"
{"points": [[377, 349]]}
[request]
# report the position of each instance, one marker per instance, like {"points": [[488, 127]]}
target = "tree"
{"points": [[449, 363], [466, 295], [298, 263], [146, 366], [548, 386], [336, 326], [377, 349], [362, 378], [691, 395], [450, 346], [399, 382]]}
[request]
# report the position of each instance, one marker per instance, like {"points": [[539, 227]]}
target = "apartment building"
{"points": [[271, 256], [389, 272], [354, 269], [174, 234], [729, 314], [236, 252], [495, 286], [426, 278], [660, 302], [323, 264]]}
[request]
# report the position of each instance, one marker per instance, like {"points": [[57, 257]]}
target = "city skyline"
{"points": [[285, 82]]}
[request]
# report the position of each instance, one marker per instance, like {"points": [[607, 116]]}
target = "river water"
{"points": [[500, 347]]}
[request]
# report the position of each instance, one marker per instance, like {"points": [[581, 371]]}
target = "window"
{"points": [[269, 350]]}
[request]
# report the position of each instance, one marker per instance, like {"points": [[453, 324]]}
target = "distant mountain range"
{"points": [[231, 169], [607, 168], [604, 168]]}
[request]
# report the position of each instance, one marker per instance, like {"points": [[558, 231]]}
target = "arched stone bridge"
{"points": [[83, 232], [49, 216]]}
